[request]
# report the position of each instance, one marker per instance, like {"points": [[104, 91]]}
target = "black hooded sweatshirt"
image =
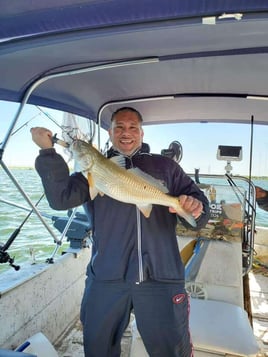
{"points": [[126, 245]]}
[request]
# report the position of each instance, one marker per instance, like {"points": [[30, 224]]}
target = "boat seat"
{"points": [[222, 327], [216, 327]]}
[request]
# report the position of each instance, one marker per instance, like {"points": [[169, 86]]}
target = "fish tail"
{"points": [[187, 216]]}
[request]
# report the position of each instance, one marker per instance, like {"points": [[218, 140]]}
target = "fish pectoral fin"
{"points": [[90, 180], [93, 192], [145, 210]]}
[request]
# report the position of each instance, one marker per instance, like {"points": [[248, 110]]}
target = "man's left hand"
{"points": [[190, 204]]}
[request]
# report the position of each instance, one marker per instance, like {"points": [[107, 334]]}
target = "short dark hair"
{"points": [[129, 109]]}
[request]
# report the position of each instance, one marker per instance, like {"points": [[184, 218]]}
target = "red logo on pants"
{"points": [[178, 299]]}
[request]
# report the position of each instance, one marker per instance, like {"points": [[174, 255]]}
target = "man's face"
{"points": [[126, 132]]}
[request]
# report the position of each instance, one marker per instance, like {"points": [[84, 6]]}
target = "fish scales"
{"points": [[107, 177], [126, 186]]}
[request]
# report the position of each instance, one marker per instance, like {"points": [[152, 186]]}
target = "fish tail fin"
{"points": [[187, 216]]}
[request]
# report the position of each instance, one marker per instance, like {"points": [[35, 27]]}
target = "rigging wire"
{"points": [[23, 125]]}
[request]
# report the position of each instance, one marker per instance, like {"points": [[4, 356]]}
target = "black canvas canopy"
{"points": [[175, 61]]}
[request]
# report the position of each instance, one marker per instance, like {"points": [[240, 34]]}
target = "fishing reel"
{"points": [[5, 258]]}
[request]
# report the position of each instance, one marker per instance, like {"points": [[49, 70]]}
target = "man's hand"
{"points": [[42, 137], [191, 205]]}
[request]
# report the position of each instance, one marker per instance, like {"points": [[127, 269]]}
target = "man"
{"points": [[135, 263]]}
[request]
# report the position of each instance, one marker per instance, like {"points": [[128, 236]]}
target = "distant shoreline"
{"points": [[33, 168], [22, 167]]}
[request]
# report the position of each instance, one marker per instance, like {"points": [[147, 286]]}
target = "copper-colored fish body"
{"points": [[107, 176]]}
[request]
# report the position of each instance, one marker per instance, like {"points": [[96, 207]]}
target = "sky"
{"points": [[199, 141]]}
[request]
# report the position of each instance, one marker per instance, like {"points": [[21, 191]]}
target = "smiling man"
{"points": [[126, 132], [135, 263]]}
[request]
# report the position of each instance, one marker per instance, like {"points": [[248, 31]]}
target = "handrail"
{"points": [[248, 202]]}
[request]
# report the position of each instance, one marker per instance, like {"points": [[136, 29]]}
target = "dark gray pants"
{"points": [[161, 312]]}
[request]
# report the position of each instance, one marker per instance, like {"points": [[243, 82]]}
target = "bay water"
{"points": [[34, 242]]}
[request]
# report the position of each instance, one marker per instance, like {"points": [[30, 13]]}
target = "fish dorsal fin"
{"points": [[151, 180], [119, 160]]}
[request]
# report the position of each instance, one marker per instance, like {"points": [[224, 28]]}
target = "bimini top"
{"points": [[186, 60]]}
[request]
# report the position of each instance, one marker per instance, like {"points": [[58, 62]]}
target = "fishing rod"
{"points": [[48, 116], [67, 128], [23, 125], [4, 256], [60, 142]]}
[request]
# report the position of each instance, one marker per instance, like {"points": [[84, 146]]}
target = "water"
{"points": [[34, 239], [261, 215]]}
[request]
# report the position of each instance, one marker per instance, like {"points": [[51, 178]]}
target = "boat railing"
{"points": [[232, 201]]}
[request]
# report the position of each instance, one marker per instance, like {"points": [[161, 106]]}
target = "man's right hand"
{"points": [[42, 137]]}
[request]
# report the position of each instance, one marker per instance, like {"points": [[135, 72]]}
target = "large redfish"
{"points": [[109, 177]]}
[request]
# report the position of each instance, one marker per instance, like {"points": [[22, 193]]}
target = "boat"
{"points": [[176, 62]]}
